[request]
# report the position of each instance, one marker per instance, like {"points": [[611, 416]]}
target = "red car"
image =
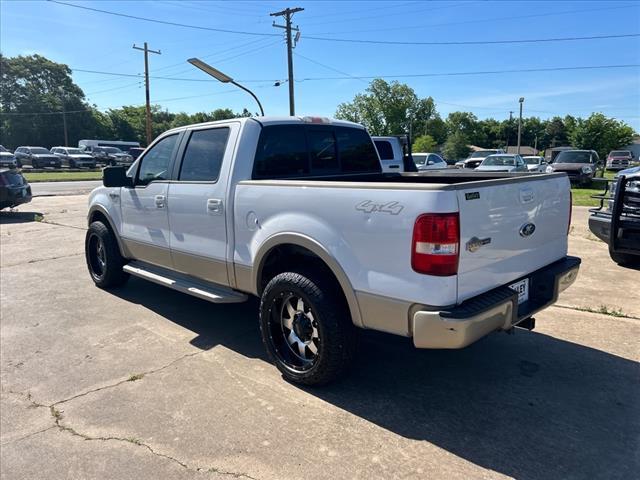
{"points": [[619, 159]]}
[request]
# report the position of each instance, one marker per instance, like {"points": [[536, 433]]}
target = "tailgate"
{"points": [[510, 229]]}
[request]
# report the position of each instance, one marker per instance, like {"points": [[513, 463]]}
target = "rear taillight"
{"points": [[436, 244], [570, 211]]}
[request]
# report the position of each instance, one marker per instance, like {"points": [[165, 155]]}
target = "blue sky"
{"points": [[96, 41]]}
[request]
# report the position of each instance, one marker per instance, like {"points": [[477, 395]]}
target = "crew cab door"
{"points": [[145, 221], [198, 208]]}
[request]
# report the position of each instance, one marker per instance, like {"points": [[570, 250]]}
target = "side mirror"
{"points": [[116, 177]]}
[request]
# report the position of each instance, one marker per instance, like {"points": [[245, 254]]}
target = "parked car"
{"points": [[7, 159], [135, 152], [109, 155], [476, 158], [36, 157], [395, 154], [579, 165], [298, 212], [502, 162], [428, 161], [618, 223], [74, 157], [535, 164], [619, 159], [14, 188]]}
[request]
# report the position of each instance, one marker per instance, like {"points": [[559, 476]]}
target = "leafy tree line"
{"points": [[394, 108], [34, 91]]}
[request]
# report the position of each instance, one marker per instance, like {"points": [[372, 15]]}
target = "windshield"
{"points": [[532, 160], [419, 159], [112, 150], [39, 150], [573, 157], [482, 153], [620, 153], [73, 151], [499, 161], [2, 149]]}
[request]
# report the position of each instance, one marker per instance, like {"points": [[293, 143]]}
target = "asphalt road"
{"points": [[63, 188], [143, 382]]}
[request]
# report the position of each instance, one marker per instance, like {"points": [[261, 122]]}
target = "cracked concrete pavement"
{"points": [[143, 382]]}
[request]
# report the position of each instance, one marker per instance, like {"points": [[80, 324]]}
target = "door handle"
{"points": [[214, 205], [160, 199]]}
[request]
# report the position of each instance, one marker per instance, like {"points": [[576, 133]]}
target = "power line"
{"points": [[164, 22], [248, 52], [329, 68], [370, 77], [220, 52], [386, 15], [475, 42], [485, 72], [492, 20], [129, 85]]}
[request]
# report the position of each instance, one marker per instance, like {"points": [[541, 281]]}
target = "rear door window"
{"points": [[203, 156]]}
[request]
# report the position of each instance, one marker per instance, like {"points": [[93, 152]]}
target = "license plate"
{"points": [[522, 288], [52, 163]]}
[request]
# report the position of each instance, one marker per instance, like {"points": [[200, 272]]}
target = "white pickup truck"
{"points": [[297, 212]]}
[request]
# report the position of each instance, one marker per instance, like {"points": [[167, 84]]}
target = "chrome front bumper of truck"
{"points": [[497, 309]]}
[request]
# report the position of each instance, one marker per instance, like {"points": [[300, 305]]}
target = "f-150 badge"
{"points": [[393, 208]]}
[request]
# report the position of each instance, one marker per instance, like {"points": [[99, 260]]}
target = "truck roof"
{"points": [[277, 120]]}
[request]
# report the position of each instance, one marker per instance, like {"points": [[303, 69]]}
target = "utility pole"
{"points": [[64, 120], [520, 123], [146, 85], [509, 130], [288, 14]]}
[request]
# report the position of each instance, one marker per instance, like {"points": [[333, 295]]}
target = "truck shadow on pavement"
{"points": [[528, 406], [9, 217]]}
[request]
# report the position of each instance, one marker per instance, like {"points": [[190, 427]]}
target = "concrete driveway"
{"points": [[142, 382]]}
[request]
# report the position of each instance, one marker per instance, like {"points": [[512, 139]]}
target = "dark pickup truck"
{"points": [[618, 222]]}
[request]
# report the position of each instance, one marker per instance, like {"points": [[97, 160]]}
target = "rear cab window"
{"points": [[296, 151], [385, 150]]}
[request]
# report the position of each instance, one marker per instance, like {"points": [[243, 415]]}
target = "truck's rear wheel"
{"points": [[306, 328], [103, 257]]}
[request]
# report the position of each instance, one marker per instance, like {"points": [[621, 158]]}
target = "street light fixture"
{"points": [[221, 77], [521, 100]]}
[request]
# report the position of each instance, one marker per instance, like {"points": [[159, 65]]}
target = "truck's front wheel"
{"points": [[103, 257], [306, 327]]}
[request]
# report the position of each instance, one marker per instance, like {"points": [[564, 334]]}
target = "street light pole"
{"points": [[221, 77], [520, 123]]}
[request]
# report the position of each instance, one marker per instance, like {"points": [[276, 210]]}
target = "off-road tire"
{"points": [[111, 274], [337, 334]]}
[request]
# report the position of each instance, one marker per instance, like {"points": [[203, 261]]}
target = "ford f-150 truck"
{"points": [[298, 212]]}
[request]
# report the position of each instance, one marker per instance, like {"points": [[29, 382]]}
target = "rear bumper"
{"points": [[497, 309], [10, 197]]}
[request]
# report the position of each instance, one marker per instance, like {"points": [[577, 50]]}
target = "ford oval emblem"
{"points": [[527, 229]]}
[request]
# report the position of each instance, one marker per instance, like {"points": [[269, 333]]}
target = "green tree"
{"points": [[456, 147], [424, 143], [388, 109], [601, 134], [33, 93]]}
